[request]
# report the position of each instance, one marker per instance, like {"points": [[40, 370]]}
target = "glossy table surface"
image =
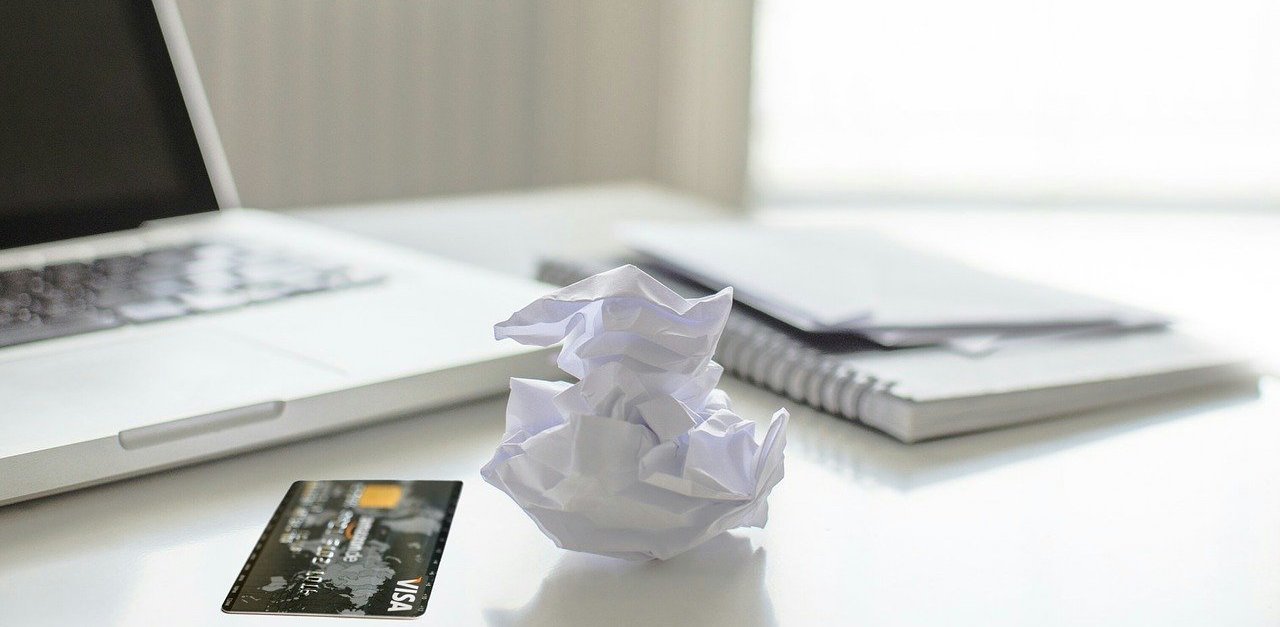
{"points": [[1165, 513]]}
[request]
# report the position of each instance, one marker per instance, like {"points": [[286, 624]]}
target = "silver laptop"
{"points": [[140, 326]]}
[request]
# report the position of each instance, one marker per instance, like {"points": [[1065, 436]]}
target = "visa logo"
{"points": [[405, 594]]}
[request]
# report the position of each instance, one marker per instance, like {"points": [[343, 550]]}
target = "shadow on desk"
{"points": [[864, 454], [720, 580]]}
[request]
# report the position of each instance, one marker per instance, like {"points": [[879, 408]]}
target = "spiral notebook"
{"points": [[924, 392]]}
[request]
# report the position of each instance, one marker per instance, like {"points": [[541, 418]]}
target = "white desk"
{"points": [[1161, 514]]}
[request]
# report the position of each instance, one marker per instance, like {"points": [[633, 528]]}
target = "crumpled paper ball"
{"points": [[642, 458]]}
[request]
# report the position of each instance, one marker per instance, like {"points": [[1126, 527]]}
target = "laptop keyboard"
{"points": [[158, 284]]}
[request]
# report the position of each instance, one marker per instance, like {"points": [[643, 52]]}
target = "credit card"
{"points": [[348, 548]]}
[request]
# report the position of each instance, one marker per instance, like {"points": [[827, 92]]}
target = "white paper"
{"points": [[852, 280], [642, 457]]}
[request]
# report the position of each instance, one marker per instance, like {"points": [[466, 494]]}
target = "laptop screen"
{"points": [[94, 133]]}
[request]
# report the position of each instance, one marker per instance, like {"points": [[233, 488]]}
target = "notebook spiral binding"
{"points": [[761, 354]]}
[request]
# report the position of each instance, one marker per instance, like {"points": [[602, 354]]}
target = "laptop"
{"points": [[145, 321]]}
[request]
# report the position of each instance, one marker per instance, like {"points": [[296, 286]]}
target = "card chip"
{"points": [[381, 496]]}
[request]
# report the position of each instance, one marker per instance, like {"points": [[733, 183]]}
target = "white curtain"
{"points": [[1136, 101], [326, 101]]}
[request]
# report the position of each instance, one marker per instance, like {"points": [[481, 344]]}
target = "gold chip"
{"points": [[381, 496]]}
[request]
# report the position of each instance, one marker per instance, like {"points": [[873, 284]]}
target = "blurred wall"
{"points": [[327, 101]]}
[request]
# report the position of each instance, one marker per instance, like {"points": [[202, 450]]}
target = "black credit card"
{"points": [[348, 548]]}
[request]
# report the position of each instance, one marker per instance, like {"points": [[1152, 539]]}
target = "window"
{"points": [[1135, 101]]}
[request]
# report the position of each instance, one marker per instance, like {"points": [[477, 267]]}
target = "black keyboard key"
{"points": [[66, 274], [33, 285], [115, 267], [62, 309], [16, 281], [10, 303], [20, 316]]}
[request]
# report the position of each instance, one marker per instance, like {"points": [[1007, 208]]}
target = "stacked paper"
{"points": [[851, 281], [642, 457]]}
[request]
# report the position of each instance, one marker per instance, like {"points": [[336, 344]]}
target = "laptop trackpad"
{"points": [[98, 391]]}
